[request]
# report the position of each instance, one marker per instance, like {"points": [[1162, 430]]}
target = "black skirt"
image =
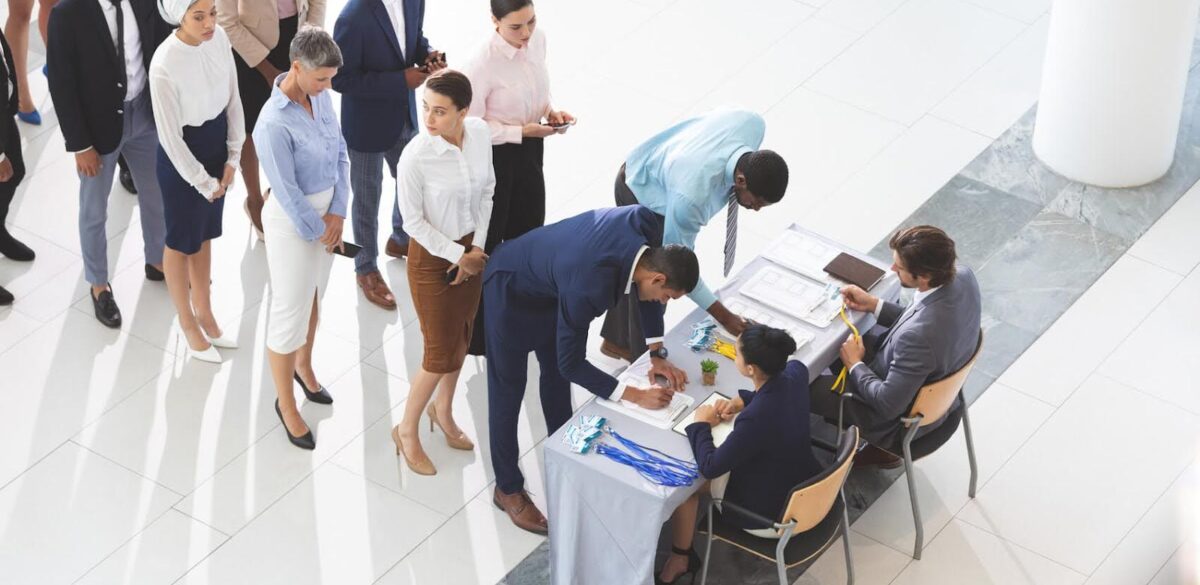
{"points": [[192, 219], [253, 89]]}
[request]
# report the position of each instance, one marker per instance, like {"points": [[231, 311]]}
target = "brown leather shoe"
{"points": [[376, 290], [521, 510], [615, 351], [395, 250], [872, 456]]}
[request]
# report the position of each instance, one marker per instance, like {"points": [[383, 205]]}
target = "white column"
{"points": [[1112, 88]]}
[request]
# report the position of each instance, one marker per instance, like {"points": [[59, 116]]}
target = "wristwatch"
{"points": [[660, 353]]}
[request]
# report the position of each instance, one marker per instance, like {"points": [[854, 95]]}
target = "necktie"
{"points": [[121, 43], [731, 213]]}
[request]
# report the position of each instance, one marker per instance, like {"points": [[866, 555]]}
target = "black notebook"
{"points": [[854, 271]]}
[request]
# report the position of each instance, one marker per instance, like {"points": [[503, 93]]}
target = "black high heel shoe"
{"points": [[693, 566], [321, 396], [307, 441]]}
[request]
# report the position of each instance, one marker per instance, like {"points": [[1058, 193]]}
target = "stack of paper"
{"points": [[760, 314], [802, 253], [793, 295]]}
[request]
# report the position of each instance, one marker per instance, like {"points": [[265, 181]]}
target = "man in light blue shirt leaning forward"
{"points": [[688, 174]]}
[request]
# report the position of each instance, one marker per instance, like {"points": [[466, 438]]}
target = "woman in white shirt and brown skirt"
{"points": [[446, 183], [194, 87]]}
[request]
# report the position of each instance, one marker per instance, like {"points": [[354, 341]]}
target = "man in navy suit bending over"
{"points": [[546, 287]]}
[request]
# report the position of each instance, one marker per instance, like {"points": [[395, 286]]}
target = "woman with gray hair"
{"points": [[198, 114], [301, 148]]}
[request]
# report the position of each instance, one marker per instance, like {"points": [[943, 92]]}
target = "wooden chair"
{"points": [[815, 516], [932, 404]]}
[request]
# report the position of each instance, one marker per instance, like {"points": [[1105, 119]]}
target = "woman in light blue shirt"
{"points": [[301, 148]]}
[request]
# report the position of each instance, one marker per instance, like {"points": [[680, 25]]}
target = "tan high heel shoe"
{"points": [[419, 467], [461, 442]]}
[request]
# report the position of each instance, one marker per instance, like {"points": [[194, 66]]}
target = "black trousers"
{"points": [[518, 205], [8, 189], [622, 325]]}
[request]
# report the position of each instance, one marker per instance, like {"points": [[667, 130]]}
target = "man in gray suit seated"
{"points": [[924, 342]]}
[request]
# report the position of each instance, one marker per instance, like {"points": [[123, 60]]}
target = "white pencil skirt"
{"points": [[299, 272]]}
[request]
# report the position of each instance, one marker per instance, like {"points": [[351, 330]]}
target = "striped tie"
{"points": [[731, 213]]}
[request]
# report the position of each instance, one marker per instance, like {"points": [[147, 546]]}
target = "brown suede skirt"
{"points": [[446, 313]]}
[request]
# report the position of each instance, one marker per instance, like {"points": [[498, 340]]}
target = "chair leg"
{"points": [[707, 547], [912, 494], [780, 566], [846, 540], [970, 450]]}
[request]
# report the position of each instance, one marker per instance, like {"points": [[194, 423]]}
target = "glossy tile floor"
{"points": [[124, 462]]}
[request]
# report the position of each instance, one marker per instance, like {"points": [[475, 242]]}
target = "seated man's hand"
{"points": [[676, 378], [707, 414], [858, 299], [852, 351], [652, 398]]}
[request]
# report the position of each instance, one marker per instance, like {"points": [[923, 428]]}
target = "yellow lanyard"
{"points": [[839, 383]]}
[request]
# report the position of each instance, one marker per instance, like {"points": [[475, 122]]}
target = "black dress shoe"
{"points": [[321, 396], [106, 309], [154, 274], [305, 442], [13, 249], [127, 178], [6, 298]]}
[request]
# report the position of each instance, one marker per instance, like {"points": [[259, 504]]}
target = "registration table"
{"points": [[605, 518]]}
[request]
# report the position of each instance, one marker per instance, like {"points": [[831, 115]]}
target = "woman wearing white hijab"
{"points": [[193, 85]]}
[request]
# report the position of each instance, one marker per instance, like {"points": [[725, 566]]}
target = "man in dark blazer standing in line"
{"points": [[547, 286], [12, 163], [928, 340], [99, 57], [386, 56]]}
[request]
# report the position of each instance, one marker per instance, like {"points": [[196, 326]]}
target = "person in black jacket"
{"points": [[12, 164], [99, 55], [768, 452]]}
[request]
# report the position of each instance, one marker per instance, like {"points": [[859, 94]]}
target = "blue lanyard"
{"points": [[661, 469]]}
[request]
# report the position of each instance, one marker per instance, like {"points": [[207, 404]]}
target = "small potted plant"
{"points": [[708, 371]]}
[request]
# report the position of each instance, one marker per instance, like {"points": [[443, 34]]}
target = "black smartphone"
{"points": [[348, 250], [451, 275], [563, 125]]}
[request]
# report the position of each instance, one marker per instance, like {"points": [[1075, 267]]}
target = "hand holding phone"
{"points": [[347, 249]]}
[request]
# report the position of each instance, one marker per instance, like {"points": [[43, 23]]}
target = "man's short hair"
{"points": [[766, 174], [926, 251], [677, 262]]}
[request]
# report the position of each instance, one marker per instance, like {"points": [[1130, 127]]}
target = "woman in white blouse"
{"points": [[193, 85], [512, 94], [446, 181]]}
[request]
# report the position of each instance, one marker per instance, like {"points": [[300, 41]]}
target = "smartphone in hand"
{"points": [[348, 250], [451, 275]]}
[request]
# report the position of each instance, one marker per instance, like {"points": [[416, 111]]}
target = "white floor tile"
{"points": [[1160, 340], [197, 417], [1063, 357], [62, 377], [1171, 242], [963, 554], [997, 95], [21, 278], [770, 76], [1183, 568], [335, 527], [1159, 533], [161, 553], [895, 183], [69, 512], [461, 474], [57, 187], [478, 545], [1022, 10], [270, 467], [349, 316], [915, 58], [873, 563], [943, 478], [14, 327], [1063, 494], [858, 15]]}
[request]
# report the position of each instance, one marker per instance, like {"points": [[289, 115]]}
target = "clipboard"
{"points": [[720, 432]]}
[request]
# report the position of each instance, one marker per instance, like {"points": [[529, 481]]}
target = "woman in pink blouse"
{"points": [[511, 90]]}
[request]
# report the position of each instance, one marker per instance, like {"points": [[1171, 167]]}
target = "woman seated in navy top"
{"points": [[768, 453]]}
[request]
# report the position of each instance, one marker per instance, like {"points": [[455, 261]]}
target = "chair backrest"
{"points": [[934, 400], [811, 501]]}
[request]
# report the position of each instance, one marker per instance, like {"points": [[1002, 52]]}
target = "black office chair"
{"points": [[933, 403], [815, 516]]}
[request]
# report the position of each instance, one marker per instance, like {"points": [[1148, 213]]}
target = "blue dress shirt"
{"points": [[303, 155], [685, 174]]}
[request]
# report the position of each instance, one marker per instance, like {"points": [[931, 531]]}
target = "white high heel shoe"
{"points": [[223, 342], [209, 354]]}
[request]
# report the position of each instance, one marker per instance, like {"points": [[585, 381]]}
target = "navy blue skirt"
{"points": [[191, 219]]}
